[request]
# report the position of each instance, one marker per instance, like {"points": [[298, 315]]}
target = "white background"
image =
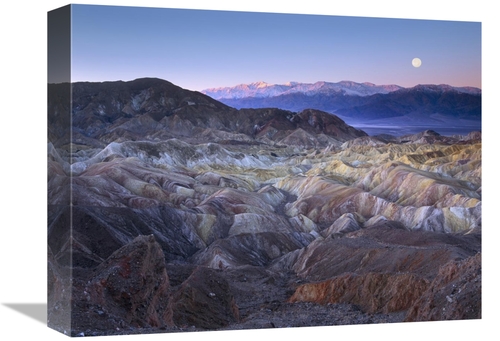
{"points": [[23, 163]]}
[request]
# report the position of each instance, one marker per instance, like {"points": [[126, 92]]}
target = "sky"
{"points": [[200, 49]]}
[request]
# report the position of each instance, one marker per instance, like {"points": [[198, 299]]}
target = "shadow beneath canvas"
{"points": [[37, 311]]}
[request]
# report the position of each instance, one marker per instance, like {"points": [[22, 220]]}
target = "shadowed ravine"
{"points": [[191, 215]]}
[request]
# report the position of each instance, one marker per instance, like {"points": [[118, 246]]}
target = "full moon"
{"points": [[416, 62]]}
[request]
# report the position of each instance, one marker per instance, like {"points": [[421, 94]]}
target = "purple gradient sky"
{"points": [[199, 49]]}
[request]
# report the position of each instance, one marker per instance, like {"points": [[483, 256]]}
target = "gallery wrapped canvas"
{"points": [[218, 170]]}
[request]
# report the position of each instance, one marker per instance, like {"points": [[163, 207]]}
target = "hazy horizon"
{"points": [[234, 85]]}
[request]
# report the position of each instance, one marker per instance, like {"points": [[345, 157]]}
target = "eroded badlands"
{"points": [[190, 215]]}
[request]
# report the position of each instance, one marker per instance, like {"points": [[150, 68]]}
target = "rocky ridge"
{"points": [[192, 215]]}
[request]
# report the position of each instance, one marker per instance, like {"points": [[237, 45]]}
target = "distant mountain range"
{"points": [[349, 88], [357, 101], [266, 90]]}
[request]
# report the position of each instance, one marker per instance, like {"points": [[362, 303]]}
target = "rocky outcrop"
{"points": [[386, 269], [205, 301], [454, 294], [383, 247], [129, 290], [373, 292]]}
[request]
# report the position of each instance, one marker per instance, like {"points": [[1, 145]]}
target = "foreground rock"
{"points": [[129, 290], [454, 294], [204, 301], [373, 292], [428, 276]]}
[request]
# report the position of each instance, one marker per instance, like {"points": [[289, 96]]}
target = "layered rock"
{"points": [[454, 294], [383, 247], [373, 292], [386, 269]]}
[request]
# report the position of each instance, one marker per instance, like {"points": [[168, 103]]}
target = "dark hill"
{"points": [[422, 99], [151, 109]]}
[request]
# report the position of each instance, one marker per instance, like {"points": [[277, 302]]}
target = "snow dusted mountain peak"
{"points": [[259, 85], [262, 89], [255, 89]]}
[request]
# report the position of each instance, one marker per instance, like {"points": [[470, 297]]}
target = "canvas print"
{"points": [[222, 170]]}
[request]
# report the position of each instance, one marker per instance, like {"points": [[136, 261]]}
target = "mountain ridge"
{"points": [[262, 89], [362, 103]]}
